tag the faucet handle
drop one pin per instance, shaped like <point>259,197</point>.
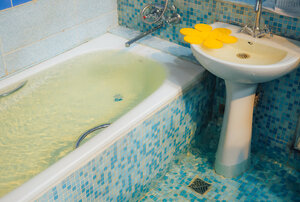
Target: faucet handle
<point>173,7</point>
<point>243,28</point>
<point>268,31</point>
<point>151,13</point>
<point>173,16</point>
<point>247,30</point>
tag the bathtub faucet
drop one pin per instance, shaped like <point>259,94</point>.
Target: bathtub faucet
<point>152,14</point>
<point>256,30</point>
<point>128,43</point>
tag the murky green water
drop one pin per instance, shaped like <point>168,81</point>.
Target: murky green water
<point>40,123</point>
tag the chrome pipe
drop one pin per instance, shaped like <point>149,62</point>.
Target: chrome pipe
<point>128,43</point>
<point>258,10</point>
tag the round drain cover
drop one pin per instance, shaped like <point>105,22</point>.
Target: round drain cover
<point>243,55</point>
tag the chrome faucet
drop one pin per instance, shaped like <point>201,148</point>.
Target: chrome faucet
<point>256,30</point>
<point>128,43</point>
<point>257,9</point>
<point>152,14</point>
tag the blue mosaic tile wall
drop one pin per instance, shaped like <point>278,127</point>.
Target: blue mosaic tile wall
<point>243,14</point>
<point>122,172</point>
<point>4,4</point>
<point>276,117</point>
<point>274,124</point>
<point>205,11</point>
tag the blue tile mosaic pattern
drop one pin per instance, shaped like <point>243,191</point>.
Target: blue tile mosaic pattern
<point>191,11</point>
<point>243,14</point>
<point>124,170</point>
<point>274,125</point>
<point>4,4</point>
<point>205,11</point>
<point>264,181</point>
<point>276,117</point>
<point>18,2</point>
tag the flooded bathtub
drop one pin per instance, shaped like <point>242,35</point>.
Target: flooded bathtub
<point>96,83</point>
<point>41,122</point>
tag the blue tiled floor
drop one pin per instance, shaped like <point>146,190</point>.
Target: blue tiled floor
<point>265,180</point>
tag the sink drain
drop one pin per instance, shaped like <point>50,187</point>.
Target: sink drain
<point>243,55</point>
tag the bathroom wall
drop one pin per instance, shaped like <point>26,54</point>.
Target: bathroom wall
<point>285,7</point>
<point>278,109</point>
<point>38,30</point>
<point>206,11</point>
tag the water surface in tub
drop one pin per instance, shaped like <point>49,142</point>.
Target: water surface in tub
<point>40,123</point>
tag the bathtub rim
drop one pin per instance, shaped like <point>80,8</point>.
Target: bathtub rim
<point>169,90</point>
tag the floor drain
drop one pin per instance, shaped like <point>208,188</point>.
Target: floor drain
<point>243,55</point>
<point>199,186</point>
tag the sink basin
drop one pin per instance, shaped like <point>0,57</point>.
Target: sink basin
<point>243,65</point>
<point>246,52</point>
<point>249,60</point>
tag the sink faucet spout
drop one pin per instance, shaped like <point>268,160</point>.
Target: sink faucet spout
<point>257,9</point>
<point>256,30</point>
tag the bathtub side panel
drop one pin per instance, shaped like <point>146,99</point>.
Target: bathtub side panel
<point>124,170</point>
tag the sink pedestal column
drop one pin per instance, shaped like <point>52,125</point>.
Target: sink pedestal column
<point>233,154</point>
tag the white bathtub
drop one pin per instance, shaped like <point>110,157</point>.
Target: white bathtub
<point>181,74</point>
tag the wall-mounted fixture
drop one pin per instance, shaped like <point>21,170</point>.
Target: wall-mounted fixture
<point>157,14</point>
<point>256,30</point>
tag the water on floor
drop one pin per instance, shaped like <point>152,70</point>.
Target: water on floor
<point>265,180</point>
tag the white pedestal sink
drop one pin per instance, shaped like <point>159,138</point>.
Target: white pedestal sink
<point>243,65</point>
